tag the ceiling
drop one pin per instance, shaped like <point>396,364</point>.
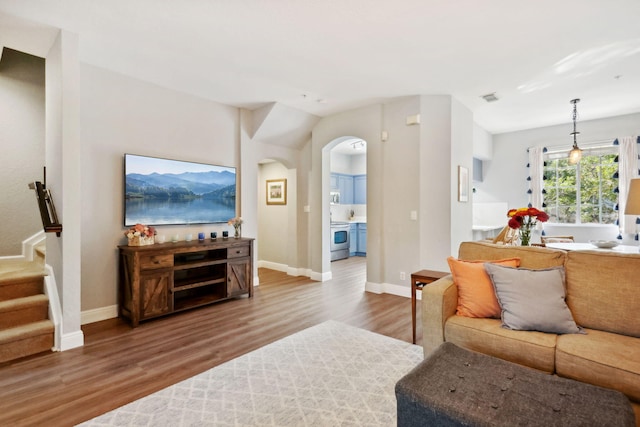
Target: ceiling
<point>323,57</point>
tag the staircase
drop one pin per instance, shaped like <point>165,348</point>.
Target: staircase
<point>25,328</point>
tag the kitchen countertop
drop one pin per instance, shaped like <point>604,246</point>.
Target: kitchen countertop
<point>357,220</point>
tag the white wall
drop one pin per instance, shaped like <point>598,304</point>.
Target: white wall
<point>482,143</point>
<point>505,175</point>
<point>340,163</point>
<point>22,100</point>
<point>63,161</point>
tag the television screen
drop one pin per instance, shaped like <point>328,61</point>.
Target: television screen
<point>170,192</point>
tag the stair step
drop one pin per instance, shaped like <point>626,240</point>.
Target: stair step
<point>22,286</point>
<point>20,311</point>
<point>26,340</point>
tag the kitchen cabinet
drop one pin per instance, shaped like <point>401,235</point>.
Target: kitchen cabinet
<point>362,239</point>
<point>345,185</point>
<point>334,181</point>
<point>360,189</point>
<point>352,188</point>
<point>353,239</point>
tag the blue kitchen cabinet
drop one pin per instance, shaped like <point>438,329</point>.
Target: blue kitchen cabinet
<point>334,181</point>
<point>362,239</point>
<point>345,184</point>
<point>353,239</point>
<point>360,189</point>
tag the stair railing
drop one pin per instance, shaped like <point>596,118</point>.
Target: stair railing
<point>47,208</point>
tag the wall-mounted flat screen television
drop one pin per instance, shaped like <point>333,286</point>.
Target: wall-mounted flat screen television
<point>171,192</point>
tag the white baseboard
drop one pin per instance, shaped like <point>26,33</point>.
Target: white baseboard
<point>55,309</point>
<point>320,277</point>
<point>29,244</point>
<point>98,314</point>
<point>72,340</point>
<point>291,271</point>
<point>273,266</point>
<point>389,288</point>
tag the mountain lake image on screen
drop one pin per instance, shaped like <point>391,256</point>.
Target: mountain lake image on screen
<point>171,192</point>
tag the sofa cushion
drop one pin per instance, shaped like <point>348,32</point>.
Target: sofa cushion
<point>603,290</point>
<point>533,349</point>
<point>476,297</point>
<point>532,300</point>
<point>530,256</point>
<point>601,358</point>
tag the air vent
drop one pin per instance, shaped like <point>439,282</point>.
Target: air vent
<point>490,97</point>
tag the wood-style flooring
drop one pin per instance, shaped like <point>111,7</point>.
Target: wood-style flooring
<point>119,364</point>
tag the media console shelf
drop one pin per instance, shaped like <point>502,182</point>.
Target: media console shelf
<point>164,278</point>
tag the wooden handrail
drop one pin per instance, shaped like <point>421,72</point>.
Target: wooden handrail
<point>47,209</point>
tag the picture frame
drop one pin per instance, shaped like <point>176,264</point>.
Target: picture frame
<point>463,184</point>
<point>277,191</point>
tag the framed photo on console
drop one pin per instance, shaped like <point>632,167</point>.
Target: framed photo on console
<point>276,192</point>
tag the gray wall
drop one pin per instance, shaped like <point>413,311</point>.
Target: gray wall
<point>22,96</point>
<point>123,115</point>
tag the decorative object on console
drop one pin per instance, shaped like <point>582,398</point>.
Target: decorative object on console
<point>140,235</point>
<point>237,226</point>
<point>277,191</point>
<point>525,219</point>
<point>576,153</point>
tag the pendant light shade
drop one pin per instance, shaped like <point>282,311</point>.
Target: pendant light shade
<point>576,153</point>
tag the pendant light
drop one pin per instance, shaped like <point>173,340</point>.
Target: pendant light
<point>576,153</point>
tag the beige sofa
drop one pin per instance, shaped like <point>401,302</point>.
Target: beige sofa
<point>603,294</point>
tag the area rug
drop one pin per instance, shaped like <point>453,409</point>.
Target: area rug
<point>331,374</point>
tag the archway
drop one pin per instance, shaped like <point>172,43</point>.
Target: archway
<point>347,236</point>
<point>277,218</point>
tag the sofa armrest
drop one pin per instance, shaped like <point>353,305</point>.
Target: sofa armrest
<point>439,302</point>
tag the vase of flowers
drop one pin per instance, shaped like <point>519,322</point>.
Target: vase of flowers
<point>523,220</point>
<point>140,235</point>
<point>237,226</point>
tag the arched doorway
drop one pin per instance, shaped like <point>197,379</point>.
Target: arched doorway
<point>277,219</point>
<point>348,189</point>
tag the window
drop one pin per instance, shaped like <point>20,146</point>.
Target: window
<point>583,193</point>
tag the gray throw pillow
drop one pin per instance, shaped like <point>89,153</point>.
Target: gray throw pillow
<point>532,300</point>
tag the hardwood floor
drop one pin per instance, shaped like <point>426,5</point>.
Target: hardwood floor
<point>119,364</point>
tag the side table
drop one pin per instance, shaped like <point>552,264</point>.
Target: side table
<point>419,280</point>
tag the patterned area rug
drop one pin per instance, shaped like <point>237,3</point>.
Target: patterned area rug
<point>328,375</point>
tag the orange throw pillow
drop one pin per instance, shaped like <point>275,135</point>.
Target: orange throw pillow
<point>476,296</point>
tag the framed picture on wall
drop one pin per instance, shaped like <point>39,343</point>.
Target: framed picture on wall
<point>276,191</point>
<point>463,184</point>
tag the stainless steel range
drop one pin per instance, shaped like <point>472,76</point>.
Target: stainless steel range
<point>339,240</point>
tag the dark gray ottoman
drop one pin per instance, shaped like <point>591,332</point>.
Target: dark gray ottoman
<point>457,387</point>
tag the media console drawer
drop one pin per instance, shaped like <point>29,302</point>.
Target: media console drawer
<point>149,262</point>
<point>238,252</point>
<point>164,278</point>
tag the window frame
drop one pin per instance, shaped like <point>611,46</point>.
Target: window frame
<point>589,151</point>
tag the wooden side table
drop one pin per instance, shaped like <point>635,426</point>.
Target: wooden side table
<point>419,280</point>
